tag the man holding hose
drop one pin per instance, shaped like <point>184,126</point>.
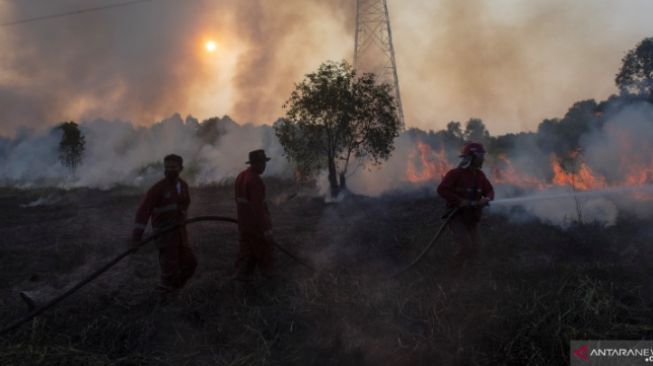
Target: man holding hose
<point>468,189</point>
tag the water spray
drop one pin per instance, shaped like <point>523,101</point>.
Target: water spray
<point>593,193</point>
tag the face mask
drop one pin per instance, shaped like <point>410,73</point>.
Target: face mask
<point>171,175</point>
<point>465,162</point>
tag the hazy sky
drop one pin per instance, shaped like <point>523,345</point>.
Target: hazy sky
<point>510,62</point>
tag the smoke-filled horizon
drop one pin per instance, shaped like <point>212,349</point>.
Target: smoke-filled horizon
<point>616,153</point>
<point>510,63</point>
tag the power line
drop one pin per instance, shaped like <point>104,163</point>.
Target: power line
<point>81,11</point>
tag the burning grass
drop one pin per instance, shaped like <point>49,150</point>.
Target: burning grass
<point>426,164</point>
<point>535,287</point>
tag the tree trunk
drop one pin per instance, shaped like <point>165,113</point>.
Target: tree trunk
<point>343,182</point>
<point>333,178</point>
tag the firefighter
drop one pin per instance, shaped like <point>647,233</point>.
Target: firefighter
<point>167,203</point>
<point>256,244</point>
<point>467,188</point>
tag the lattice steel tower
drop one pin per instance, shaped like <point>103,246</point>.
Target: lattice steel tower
<point>373,50</point>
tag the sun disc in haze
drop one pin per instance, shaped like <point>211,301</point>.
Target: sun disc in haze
<point>210,46</point>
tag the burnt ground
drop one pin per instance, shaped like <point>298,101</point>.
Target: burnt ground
<point>535,288</point>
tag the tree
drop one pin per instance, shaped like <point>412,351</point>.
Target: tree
<point>636,74</point>
<point>455,131</point>
<point>475,131</point>
<point>212,129</point>
<point>563,135</point>
<point>333,116</point>
<point>71,146</point>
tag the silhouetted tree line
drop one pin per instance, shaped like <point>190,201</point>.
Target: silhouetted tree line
<point>559,136</point>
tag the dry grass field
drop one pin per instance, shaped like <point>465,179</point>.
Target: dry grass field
<point>534,288</point>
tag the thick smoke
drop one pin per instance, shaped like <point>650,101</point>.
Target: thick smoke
<point>146,61</point>
<point>618,152</point>
<point>623,145</point>
<point>504,61</point>
<point>389,176</point>
<point>117,153</point>
<point>511,63</point>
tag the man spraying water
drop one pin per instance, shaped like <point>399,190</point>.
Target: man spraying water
<point>467,189</point>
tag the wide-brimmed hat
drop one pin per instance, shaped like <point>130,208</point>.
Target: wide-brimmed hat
<point>257,155</point>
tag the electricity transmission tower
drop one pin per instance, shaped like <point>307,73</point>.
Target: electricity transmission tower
<point>373,50</point>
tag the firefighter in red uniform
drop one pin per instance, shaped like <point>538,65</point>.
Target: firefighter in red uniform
<point>256,244</point>
<point>467,188</point>
<point>167,203</point>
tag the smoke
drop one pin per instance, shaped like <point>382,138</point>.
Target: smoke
<point>146,61</point>
<point>623,146</point>
<point>507,62</point>
<point>615,149</point>
<point>118,153</point>
<point>101,63</point>
<point>619,152</point>
<point>392,175</point>
<point>503,61</point>
<point>285,37</point>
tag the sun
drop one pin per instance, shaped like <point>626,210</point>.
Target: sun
<point>210,46</point>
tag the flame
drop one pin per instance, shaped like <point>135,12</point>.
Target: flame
<point>426,164</point>
<point>503,172</point>
<point>582,179</point>
<point>639,176</point>
<point>430,165</point>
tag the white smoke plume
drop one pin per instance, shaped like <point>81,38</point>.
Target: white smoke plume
<point>618,152</point>
<point>118,153</point>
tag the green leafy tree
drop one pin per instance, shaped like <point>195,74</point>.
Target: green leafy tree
<point>71,146</point>
<point>636,74</point>
<point>334,117</point>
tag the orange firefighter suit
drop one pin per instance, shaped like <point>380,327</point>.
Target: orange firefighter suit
<point>167,203</point>
<point>465,185</point>
<point>253,225</point>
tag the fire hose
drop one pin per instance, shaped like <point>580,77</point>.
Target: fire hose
<point>107,266</point>
<point>34,313</point>
<point>410,265</point>
<point>430,244</point>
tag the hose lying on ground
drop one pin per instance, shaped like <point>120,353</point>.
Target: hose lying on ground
<point>403,269</point>
<point>107,266</point>
<point>132,250</point>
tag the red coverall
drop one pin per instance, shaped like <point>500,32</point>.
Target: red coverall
<point>167,203</point>
<point>465,184</point>
<point>253,223</point>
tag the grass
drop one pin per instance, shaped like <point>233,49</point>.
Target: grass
<point>535,288</point>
